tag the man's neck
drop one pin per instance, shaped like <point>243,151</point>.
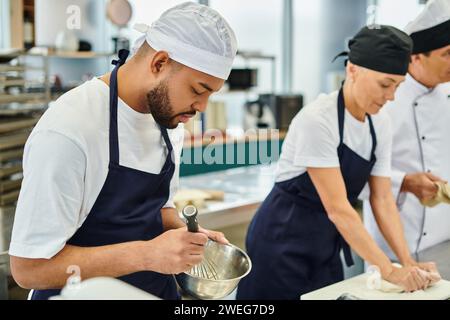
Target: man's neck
<point>128,89</point>
<point>416,75</point>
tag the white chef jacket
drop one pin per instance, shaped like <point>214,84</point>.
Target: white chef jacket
<point>421,131</point>
<point>66,160</point>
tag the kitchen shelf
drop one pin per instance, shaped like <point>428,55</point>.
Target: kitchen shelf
<point>9,155</point>
<point>23,97</point>
<point>10,68</point>
<point>79,55</point>
<point>9,171</point>
<point>11,141</point>
<point>10,185</point>
<point>11,82</point>
<point>9,198</point>
<point>13,125</point>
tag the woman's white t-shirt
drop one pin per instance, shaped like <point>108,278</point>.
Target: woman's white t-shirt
<point>313,138</point>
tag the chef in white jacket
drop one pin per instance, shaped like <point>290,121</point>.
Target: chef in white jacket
<point>420,117</point>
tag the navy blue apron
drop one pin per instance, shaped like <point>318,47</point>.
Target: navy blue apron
<point>128,207</point>
<point>293,245</point>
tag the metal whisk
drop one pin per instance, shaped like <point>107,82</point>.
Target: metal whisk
<point>207,269</point>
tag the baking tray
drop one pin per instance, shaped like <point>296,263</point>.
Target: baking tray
<point>9,198</point>
<point>10,185</point>
<point>10,170</point>
<point>10,68</point>
<point>11,155</point>
<point>23,97</point>
<point>13,141</point>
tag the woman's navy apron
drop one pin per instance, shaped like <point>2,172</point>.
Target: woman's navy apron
<point>293,245</point>
<point>128,207</point>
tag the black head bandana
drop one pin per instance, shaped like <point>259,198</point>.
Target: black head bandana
<point>381,48</point>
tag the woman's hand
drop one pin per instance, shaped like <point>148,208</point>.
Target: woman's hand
<point>429,267</point>
<point>410,278</point>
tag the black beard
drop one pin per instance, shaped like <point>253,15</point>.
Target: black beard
<point>158,103</point>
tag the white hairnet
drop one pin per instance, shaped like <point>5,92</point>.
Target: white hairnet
<point>193,35</point>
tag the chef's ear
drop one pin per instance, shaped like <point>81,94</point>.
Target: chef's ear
<point>352,71</point>
<point>418,58</point>
<point>159,62</point>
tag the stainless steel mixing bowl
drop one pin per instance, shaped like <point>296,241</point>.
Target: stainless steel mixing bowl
<point>230,264</point>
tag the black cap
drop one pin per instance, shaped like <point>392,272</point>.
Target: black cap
<point>381,48</point>
<point>431,39</point>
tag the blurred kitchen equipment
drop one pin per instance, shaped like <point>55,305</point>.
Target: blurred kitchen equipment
<point>66,41</point>
<point>285,107</point>
<point>222,268</point>
<point>242,79</point>
<point>119,12</point>
<point>258,115</point>
<point>121,43</point>
<point>194,126</point>
<point>28,30</point>
<point>84,46</point>
<point>216,116</point>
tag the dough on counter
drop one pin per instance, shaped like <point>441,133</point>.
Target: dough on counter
<point>442,196</point>
<point>383,285</point>
<point>186,197</point>
<point>375,282</point>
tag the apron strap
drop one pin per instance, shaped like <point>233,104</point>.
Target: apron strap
<point>374,137</point>
<point>341,118</point>
<point>166,138</point>
<point>347,252</point>
<point>113,99</point>
<point>341,115</point>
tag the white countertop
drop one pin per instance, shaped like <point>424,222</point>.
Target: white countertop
<point>357,289</point>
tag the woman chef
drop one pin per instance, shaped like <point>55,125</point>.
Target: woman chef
<point>334,147</point>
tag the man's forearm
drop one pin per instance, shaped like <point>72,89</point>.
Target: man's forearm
<point>171,219</point>
<point>106,261</point>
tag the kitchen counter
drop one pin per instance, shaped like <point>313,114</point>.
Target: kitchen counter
<point>245,189</point>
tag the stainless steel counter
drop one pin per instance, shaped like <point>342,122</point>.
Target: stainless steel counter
<point>245,189</point>
<point>439,254</point>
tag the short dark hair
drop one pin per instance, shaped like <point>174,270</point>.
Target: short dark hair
<point>145,49</point>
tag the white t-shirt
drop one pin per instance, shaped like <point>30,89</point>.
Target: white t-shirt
<point>66,161</point>
<point>313,138</point>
